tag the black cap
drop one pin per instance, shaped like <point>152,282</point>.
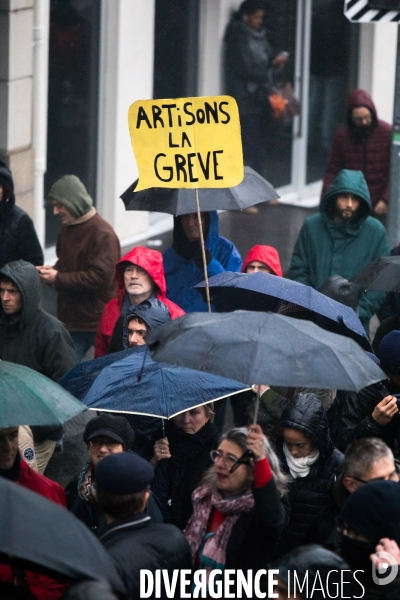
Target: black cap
<point>373,511</point>
<point>115,427</point>
<point>123,473</point>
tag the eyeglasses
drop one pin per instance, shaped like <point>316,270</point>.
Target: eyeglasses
<point>99,442</point>
<point>231,462</point>
<point>392,477</point>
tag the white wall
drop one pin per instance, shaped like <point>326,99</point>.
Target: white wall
<point>126,75</point>
<point>378,43</point>
<point>214,17</point>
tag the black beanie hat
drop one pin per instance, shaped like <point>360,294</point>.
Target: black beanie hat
<point>389,351</point>
<point>373,511</point>
<point>123,473</point>
<point>115,427</point>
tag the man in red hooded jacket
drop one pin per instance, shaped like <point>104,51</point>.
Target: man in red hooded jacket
<point>139,276</point>
<point>262,258</point>
<point>363,145</point>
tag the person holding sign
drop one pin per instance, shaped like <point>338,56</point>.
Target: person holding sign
<point>183,262</point>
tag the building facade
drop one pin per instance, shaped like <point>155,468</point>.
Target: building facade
<point>69,70</point>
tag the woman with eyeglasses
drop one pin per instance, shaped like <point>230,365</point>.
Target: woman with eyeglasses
<point>239,509</point>
<point>180,459</point>
<point>312,462</point>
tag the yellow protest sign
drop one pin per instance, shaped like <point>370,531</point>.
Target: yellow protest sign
<point>187,142</point>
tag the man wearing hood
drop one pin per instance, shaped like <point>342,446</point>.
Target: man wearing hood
<point>18,239</point>
<point>363,145</point>
<point>183,262</point>
<point>341,240</point>
<point>262,258</point>
<point>131,330</point>
<point>31,337</point>
<point>140,277</point>
<point>87,250</point>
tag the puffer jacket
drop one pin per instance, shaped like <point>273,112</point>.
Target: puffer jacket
<point>371,156</point>
<point>152,262</point>
<point>265,254</point>
<point>37,340</point>
<point>325,247</point>
<point>310,496</point>
<point>182,273</point>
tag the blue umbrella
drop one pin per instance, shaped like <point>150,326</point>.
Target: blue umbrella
<point>263,292</point>
<point>135,384</point>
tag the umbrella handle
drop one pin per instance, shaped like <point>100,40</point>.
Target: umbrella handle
<point>142,367</point>
<point>203,250</point>
<point>163,427</point>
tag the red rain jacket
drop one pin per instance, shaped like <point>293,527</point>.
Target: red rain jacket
<point>265,254</point>
<point>40,586</point>
<point>152,262</point>
<point>372,156</point>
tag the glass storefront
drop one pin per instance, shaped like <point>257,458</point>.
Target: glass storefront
<point>72,97</point>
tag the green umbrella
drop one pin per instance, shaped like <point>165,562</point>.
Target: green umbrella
<point>29,398</point>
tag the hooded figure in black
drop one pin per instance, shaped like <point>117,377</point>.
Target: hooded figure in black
<point>152,312</point>
<point>18,239</point>
<point>309,456</point>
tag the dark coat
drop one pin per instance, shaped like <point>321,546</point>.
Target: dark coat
<point>37,340</point>
<point>18,238</point>
<point>254,538</point>
<point>177,478</point>
<point>249,74</point>
<point>351,417</point>
<point>325,247</point>
<point>370,155</point>
<point>89,512</point>
<point>138,543</point>
<point>310,496</point>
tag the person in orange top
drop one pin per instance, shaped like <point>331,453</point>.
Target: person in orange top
<point>262,258</point>
<point>139,276</point>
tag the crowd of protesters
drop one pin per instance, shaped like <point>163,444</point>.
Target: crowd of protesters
<point>312,488</point>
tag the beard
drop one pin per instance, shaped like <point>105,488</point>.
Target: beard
<point>344,216</point>
<point>362,132</point>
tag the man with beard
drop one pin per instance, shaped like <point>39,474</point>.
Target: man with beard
<point>341,240</point>
<point>363,144</point>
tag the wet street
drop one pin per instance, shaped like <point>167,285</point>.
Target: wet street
<point>273,225</point>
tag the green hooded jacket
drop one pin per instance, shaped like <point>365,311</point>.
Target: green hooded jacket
<point>326,248</point>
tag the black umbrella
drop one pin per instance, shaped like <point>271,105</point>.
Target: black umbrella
<point>252,190</point>
<point>264,348</point>
<point>38,534</point>
<point>383,275</point>
<point>263,292</point>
